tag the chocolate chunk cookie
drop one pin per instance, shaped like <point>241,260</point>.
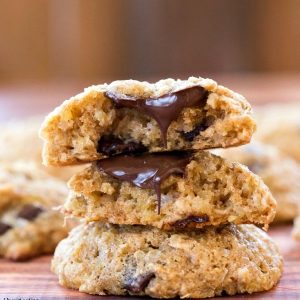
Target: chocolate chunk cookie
<point>279,125</point>
<point>28,224</point>
<point>278,171</point>
<point>132,116</point>
<point>140,260</point>
<point>170,190</point>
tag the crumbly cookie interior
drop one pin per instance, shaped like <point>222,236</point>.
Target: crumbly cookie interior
<point>213,189</point>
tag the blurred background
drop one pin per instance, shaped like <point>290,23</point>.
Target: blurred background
<point>51,49</point>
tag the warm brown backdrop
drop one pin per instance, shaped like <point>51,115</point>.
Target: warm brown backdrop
<point>59,39</point>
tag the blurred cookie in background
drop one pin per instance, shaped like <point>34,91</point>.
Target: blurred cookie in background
<point>278,171</point>
<point>296,230</point>
<point>20,140</point>
<point>279,125</point>
<point>29,226</point>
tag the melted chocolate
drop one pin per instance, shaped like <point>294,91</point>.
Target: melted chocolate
<point>146,171</point>
<point>29,212</point>
<point>111,146</point>
<point>4,227</point>
<point>166,108</point>
<point>138,284</point>
<point>181,224</point>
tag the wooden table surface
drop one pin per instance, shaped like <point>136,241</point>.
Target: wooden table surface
<point>33,279</point>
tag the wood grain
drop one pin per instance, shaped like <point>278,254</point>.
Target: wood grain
<point>34,279</point>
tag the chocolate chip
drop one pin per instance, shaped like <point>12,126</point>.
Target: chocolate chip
<point>224,293</point>
<point>110,146</point>
<point>29,212</point>
<point>4,227</point>
<point>181,224</point>
<point>138,284</point>
<point>190,135</point>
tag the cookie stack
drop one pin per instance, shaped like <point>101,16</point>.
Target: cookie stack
<point>162,215</point>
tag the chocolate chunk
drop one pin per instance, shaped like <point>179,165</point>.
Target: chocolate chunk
<point>29,212</point>
<point>181,224</point>
<point>165,108</point>
<point>111,146</point>
<point>190,135</point>
<point>138,284</point>
<point>4,227</point>
<point>224,293</point>
<point>146,171</point>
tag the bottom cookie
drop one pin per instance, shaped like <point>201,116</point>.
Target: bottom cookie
<point>137,260</point>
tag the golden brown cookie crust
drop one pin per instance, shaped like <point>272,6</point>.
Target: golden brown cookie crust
<point>72,131</point>
<point>138,260</point>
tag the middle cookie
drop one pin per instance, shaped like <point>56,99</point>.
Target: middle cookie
<point>170,190</point>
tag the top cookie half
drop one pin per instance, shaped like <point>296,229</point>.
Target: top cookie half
<point>132,116</point>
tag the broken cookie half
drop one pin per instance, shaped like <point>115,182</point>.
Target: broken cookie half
<point>133,117</point>
<point>174,190</point>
